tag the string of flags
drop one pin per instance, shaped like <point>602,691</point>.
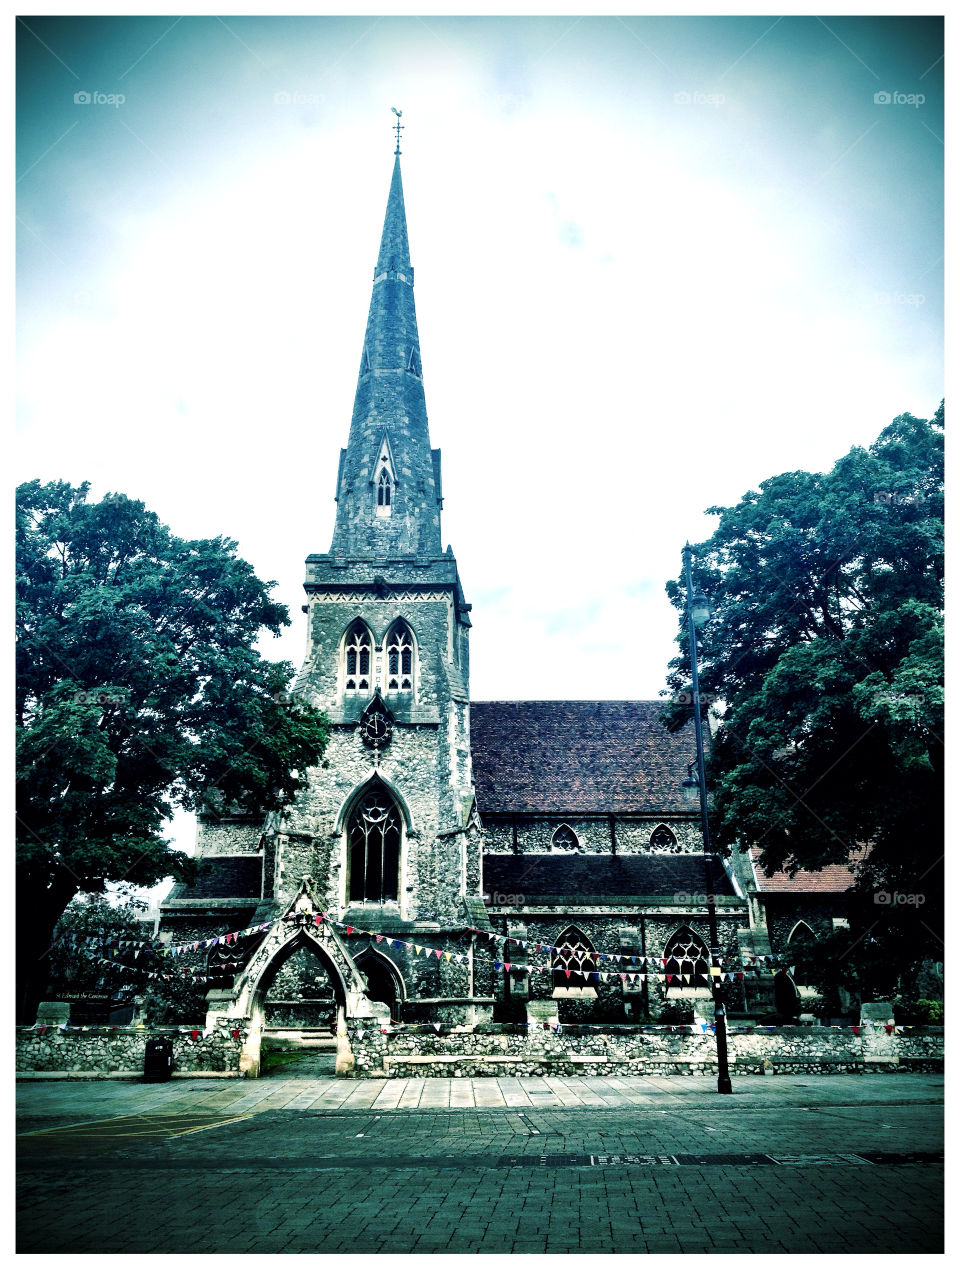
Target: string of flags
<point>690,978</point>
<point>647,967</point>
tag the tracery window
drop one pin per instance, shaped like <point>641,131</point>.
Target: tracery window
<point>687,954</point>
<point>374,849</point>
<point>400,653</point>
<point>384,488</point>
<point>357,658</point>
<point>573,960</point>
<point>663,839</point>
<point>564,839</point>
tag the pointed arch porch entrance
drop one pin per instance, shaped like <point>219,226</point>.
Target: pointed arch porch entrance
<point>298,928</point>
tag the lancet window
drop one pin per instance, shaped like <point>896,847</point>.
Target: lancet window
<point>374,833</point>
<point>400,658</point>
<point>357,659</point>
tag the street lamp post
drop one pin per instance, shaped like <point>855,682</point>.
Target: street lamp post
<point>698,610</point>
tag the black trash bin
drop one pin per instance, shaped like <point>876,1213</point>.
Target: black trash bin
<point>158,1058</point>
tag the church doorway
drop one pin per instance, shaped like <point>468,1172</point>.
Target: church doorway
<point>299,1011</point>
<point>383,981</point>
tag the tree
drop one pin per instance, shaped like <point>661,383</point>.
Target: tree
<point>84,938</point>
<point>139,687</point>
<point>824,661</point>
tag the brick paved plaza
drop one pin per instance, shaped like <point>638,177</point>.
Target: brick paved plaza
<point>822,1164</point>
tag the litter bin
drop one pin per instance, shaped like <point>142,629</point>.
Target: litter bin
<point>158,1058</point>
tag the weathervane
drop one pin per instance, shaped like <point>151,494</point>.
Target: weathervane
<point>398,126</point>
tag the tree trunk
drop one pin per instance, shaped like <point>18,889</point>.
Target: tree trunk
<point>38,911</point>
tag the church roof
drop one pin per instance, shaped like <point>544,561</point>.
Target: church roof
<point>830,880</point>
<point>564,757</point>
<point>577,879</point>
<point>222,877</point>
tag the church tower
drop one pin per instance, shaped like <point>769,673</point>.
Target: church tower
<point>387,826</point>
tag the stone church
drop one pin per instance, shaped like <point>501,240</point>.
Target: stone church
<point>435,822</point>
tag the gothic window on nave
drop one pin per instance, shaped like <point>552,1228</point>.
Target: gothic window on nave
<point>687,955</point>
<point>663,839</point>
<point>573,961</point>
<point>564,839</point>
<point>373,841</point>
<point>357,659</point>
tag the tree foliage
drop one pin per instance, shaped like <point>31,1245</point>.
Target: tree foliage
<point>89,927</point>
<point>824,660</point>
<point>139,688</point>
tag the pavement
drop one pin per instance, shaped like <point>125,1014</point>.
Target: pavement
<point>842,1164</point>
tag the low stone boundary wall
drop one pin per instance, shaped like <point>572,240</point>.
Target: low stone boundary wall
<point>117,1053</point>
<point>510,1051</point>
<point>499,1050</point>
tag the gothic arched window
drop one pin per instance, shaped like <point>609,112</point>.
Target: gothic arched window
<point>687,954</point>
<point>573,960</point>
<point>357,658</point>
<point>663,839</point>
<point>373,843</point>
<point>384,488</point>
<point>801,932</point>
<point>564,839</point>
<point>400,658</point>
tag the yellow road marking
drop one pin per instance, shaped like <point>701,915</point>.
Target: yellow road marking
<point>134,1127</point>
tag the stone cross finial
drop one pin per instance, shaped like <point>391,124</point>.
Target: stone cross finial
<point>398,127</point>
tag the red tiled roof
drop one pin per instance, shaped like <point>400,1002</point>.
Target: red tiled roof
<point>577,756</point>
<point>831,879</point>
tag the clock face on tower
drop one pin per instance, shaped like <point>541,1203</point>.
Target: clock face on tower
<point>376,728</point>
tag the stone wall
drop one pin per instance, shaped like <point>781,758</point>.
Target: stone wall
<point>577,1051</point>
<point>105,1052</point>
<point>533,834</point>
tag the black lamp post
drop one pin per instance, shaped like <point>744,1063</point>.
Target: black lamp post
<point>698,611</point>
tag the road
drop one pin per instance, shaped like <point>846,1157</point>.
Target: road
<point>815,1164</point>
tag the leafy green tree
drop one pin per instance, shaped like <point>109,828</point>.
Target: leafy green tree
<point>139,688</point>
<point>824,662</point>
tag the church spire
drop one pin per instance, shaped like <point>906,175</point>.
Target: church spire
<point>388,490</point>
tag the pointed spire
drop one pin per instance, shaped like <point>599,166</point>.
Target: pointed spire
<point>390,415</point>
<point>394,247</point>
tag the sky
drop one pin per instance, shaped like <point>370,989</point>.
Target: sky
<point>658,260</point>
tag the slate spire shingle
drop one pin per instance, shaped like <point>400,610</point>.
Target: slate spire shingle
<point>389,404</point>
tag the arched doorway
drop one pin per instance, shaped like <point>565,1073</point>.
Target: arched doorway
<point>297,1000</point>
<point>384,982</point>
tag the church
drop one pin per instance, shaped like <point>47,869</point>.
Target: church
<point>440,833</point>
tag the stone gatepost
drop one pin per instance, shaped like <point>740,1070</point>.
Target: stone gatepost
<point>53,1013</point>
<point>540,1013</point>
<point>880,1047</point>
